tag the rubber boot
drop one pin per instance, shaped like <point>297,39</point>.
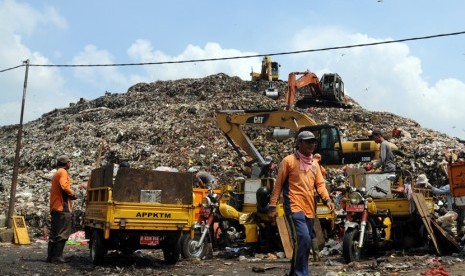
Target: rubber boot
<point>315,250</point>
<point>58,252</point>
<point>50,251</point>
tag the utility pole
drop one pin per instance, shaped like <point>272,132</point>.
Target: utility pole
<point>14,182</point>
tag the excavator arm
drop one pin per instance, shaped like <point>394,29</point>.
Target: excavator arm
<point>231,122</point>
<point>334,151</point>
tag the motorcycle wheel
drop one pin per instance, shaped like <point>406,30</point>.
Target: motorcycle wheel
<point>191,248</point>
<point>350,249</point>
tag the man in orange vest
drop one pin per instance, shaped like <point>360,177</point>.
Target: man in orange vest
<point>60,210</point>
<point>298,179</point>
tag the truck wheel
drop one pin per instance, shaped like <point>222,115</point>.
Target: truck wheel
<point>350,249</point>
<point>171,250</point>
<point>97,248</point>
<point>192,248</point>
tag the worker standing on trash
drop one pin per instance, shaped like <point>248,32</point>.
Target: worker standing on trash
<point>60,211</point>
<point>269,169</point>
<point>386,156</point>
<point>298,176</point>
<point>202,179</point>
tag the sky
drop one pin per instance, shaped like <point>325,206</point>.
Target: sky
<point>423,80</point>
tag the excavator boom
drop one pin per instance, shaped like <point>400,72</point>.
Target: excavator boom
<point>230,122</point>
<point>287,123</point>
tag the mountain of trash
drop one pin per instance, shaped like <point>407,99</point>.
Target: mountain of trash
<point>172,124</point>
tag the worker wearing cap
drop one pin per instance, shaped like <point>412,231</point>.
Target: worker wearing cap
<point>386,157</point>
<point>60,210</point>
<point>298,177</point>
<point>269,169</point>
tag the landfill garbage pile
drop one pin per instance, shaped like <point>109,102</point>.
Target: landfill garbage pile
<point>171,124</point>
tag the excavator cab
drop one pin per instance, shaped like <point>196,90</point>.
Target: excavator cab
<point>275,70</point>
<point>333,88</point>
<point>329,143</point>
<point>335,152</point>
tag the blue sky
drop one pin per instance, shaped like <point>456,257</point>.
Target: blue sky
<point>423,80</point>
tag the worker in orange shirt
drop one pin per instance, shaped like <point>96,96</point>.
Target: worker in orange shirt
<point>298,178</point>
<point>61,196</point>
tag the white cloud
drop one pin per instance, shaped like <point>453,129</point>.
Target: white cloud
<point>22,18</point>
<point>99,77</point>
<point>45,85</point>
<point>385,77</point>
<point>142,51</point>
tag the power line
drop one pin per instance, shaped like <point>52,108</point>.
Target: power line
<point>8,69</point>
<point>243,57</point>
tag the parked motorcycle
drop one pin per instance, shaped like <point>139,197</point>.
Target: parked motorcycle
<point>229,219</point>
<point>366,227</point>
<point>219,224</point>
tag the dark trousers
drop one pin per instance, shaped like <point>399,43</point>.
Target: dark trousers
<point>301,232</point>
<point>60,226</point>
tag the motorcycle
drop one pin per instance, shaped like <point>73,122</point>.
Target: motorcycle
<point>365,226</point>
<point>228,219</point>
<point>218,225</point>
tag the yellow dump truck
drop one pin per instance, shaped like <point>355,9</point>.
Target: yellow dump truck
<point>138,209</point>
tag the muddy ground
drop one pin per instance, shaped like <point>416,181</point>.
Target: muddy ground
<point>29,260</point>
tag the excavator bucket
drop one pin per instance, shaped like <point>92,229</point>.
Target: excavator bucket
<point>272,93</point>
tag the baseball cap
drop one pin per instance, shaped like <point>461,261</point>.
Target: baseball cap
<point>376,132</point>
<point>268,160</point>
<point>62,159</point>
<point>422,179</point>
<point>305,135</point>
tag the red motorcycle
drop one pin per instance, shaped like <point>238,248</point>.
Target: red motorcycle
<point>365,226</point>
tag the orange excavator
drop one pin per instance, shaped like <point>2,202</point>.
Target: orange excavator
<point>326,92</point>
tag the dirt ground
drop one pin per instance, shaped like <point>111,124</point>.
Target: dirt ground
<point>30,260</point>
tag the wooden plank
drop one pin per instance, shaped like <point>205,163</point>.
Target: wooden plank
<point>319,233</point>
<point>96,178</point>
<point>285,237</point>
<point>20,229</point>
<point>422,210</point>
<point>448,237</point>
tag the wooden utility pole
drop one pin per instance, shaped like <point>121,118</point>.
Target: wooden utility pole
<point>14,182</point>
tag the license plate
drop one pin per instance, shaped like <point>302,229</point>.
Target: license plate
<point>204,212</point>
<point>149,240</point>
<point>355,208</point>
